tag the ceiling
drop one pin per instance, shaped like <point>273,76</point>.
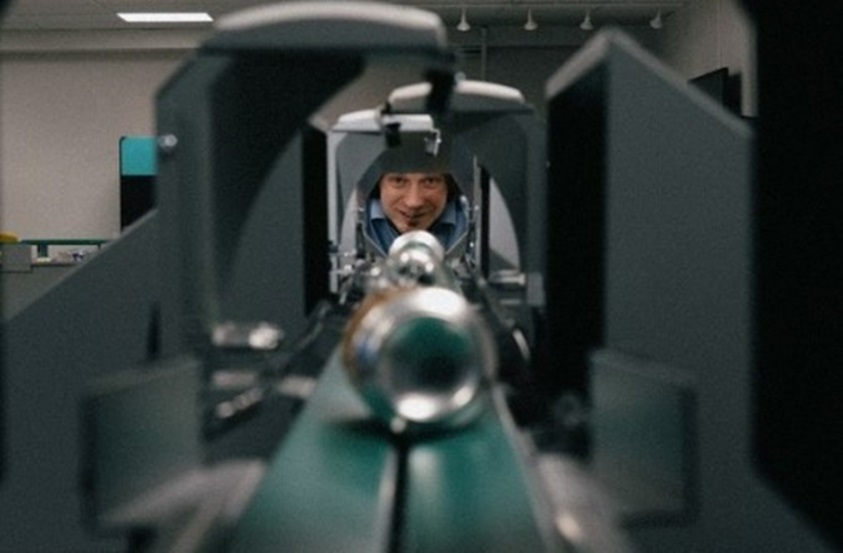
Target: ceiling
<point>100,14</point>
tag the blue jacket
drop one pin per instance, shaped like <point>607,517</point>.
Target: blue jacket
<point>448,228</point>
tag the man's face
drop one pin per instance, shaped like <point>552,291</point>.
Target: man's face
<point>413,201</point>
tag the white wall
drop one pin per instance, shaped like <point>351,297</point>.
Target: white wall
<point>66,98</point>
<point>62,118</point>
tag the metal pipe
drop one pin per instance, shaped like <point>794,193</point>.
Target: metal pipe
<point>417,351</point>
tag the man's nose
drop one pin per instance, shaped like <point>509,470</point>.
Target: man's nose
<point>414,197</point>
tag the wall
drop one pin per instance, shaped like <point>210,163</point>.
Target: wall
<point>66,99</point>
<point>64,106</point>
<point>708,35</point>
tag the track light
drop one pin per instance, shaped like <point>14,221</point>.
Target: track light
<point>657,22</point>
<point>531,24</point>
<point>463,24</point>
<point>586,24</point>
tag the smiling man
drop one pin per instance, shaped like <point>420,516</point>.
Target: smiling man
<point>402,202</point>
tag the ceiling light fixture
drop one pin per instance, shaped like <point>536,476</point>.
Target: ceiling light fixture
<point>531,24</point>
<point>586,24</point>
<point>163,17</point>
<point>657,22</point>
<point>463,24</point>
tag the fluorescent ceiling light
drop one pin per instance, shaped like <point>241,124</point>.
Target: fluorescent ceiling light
<point>162,17</point>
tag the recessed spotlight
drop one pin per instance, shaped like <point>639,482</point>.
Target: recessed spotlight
<point>163,17</point>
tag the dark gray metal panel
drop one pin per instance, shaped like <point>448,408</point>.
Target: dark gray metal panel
<point>644,438</point>
<point>184,122</point>
<point>20,288</point>
<point>142,466</point>
<point>678,220</point>
<point>233,120</point>
<point>141,430</point>
<point>669,183</point>
<point>267,273</point>
<point>511,147</point>
<point>99,318</point>
<point>574,205</point>
<point>677,268</point>
<point>229,115</point>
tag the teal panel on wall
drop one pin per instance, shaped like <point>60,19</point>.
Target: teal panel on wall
<point>137,156</point>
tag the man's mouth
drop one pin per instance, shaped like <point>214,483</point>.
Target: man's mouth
<point>413,220</point>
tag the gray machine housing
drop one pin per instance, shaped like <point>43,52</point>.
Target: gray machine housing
<point>640,281</point>
<point>465,141</point>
